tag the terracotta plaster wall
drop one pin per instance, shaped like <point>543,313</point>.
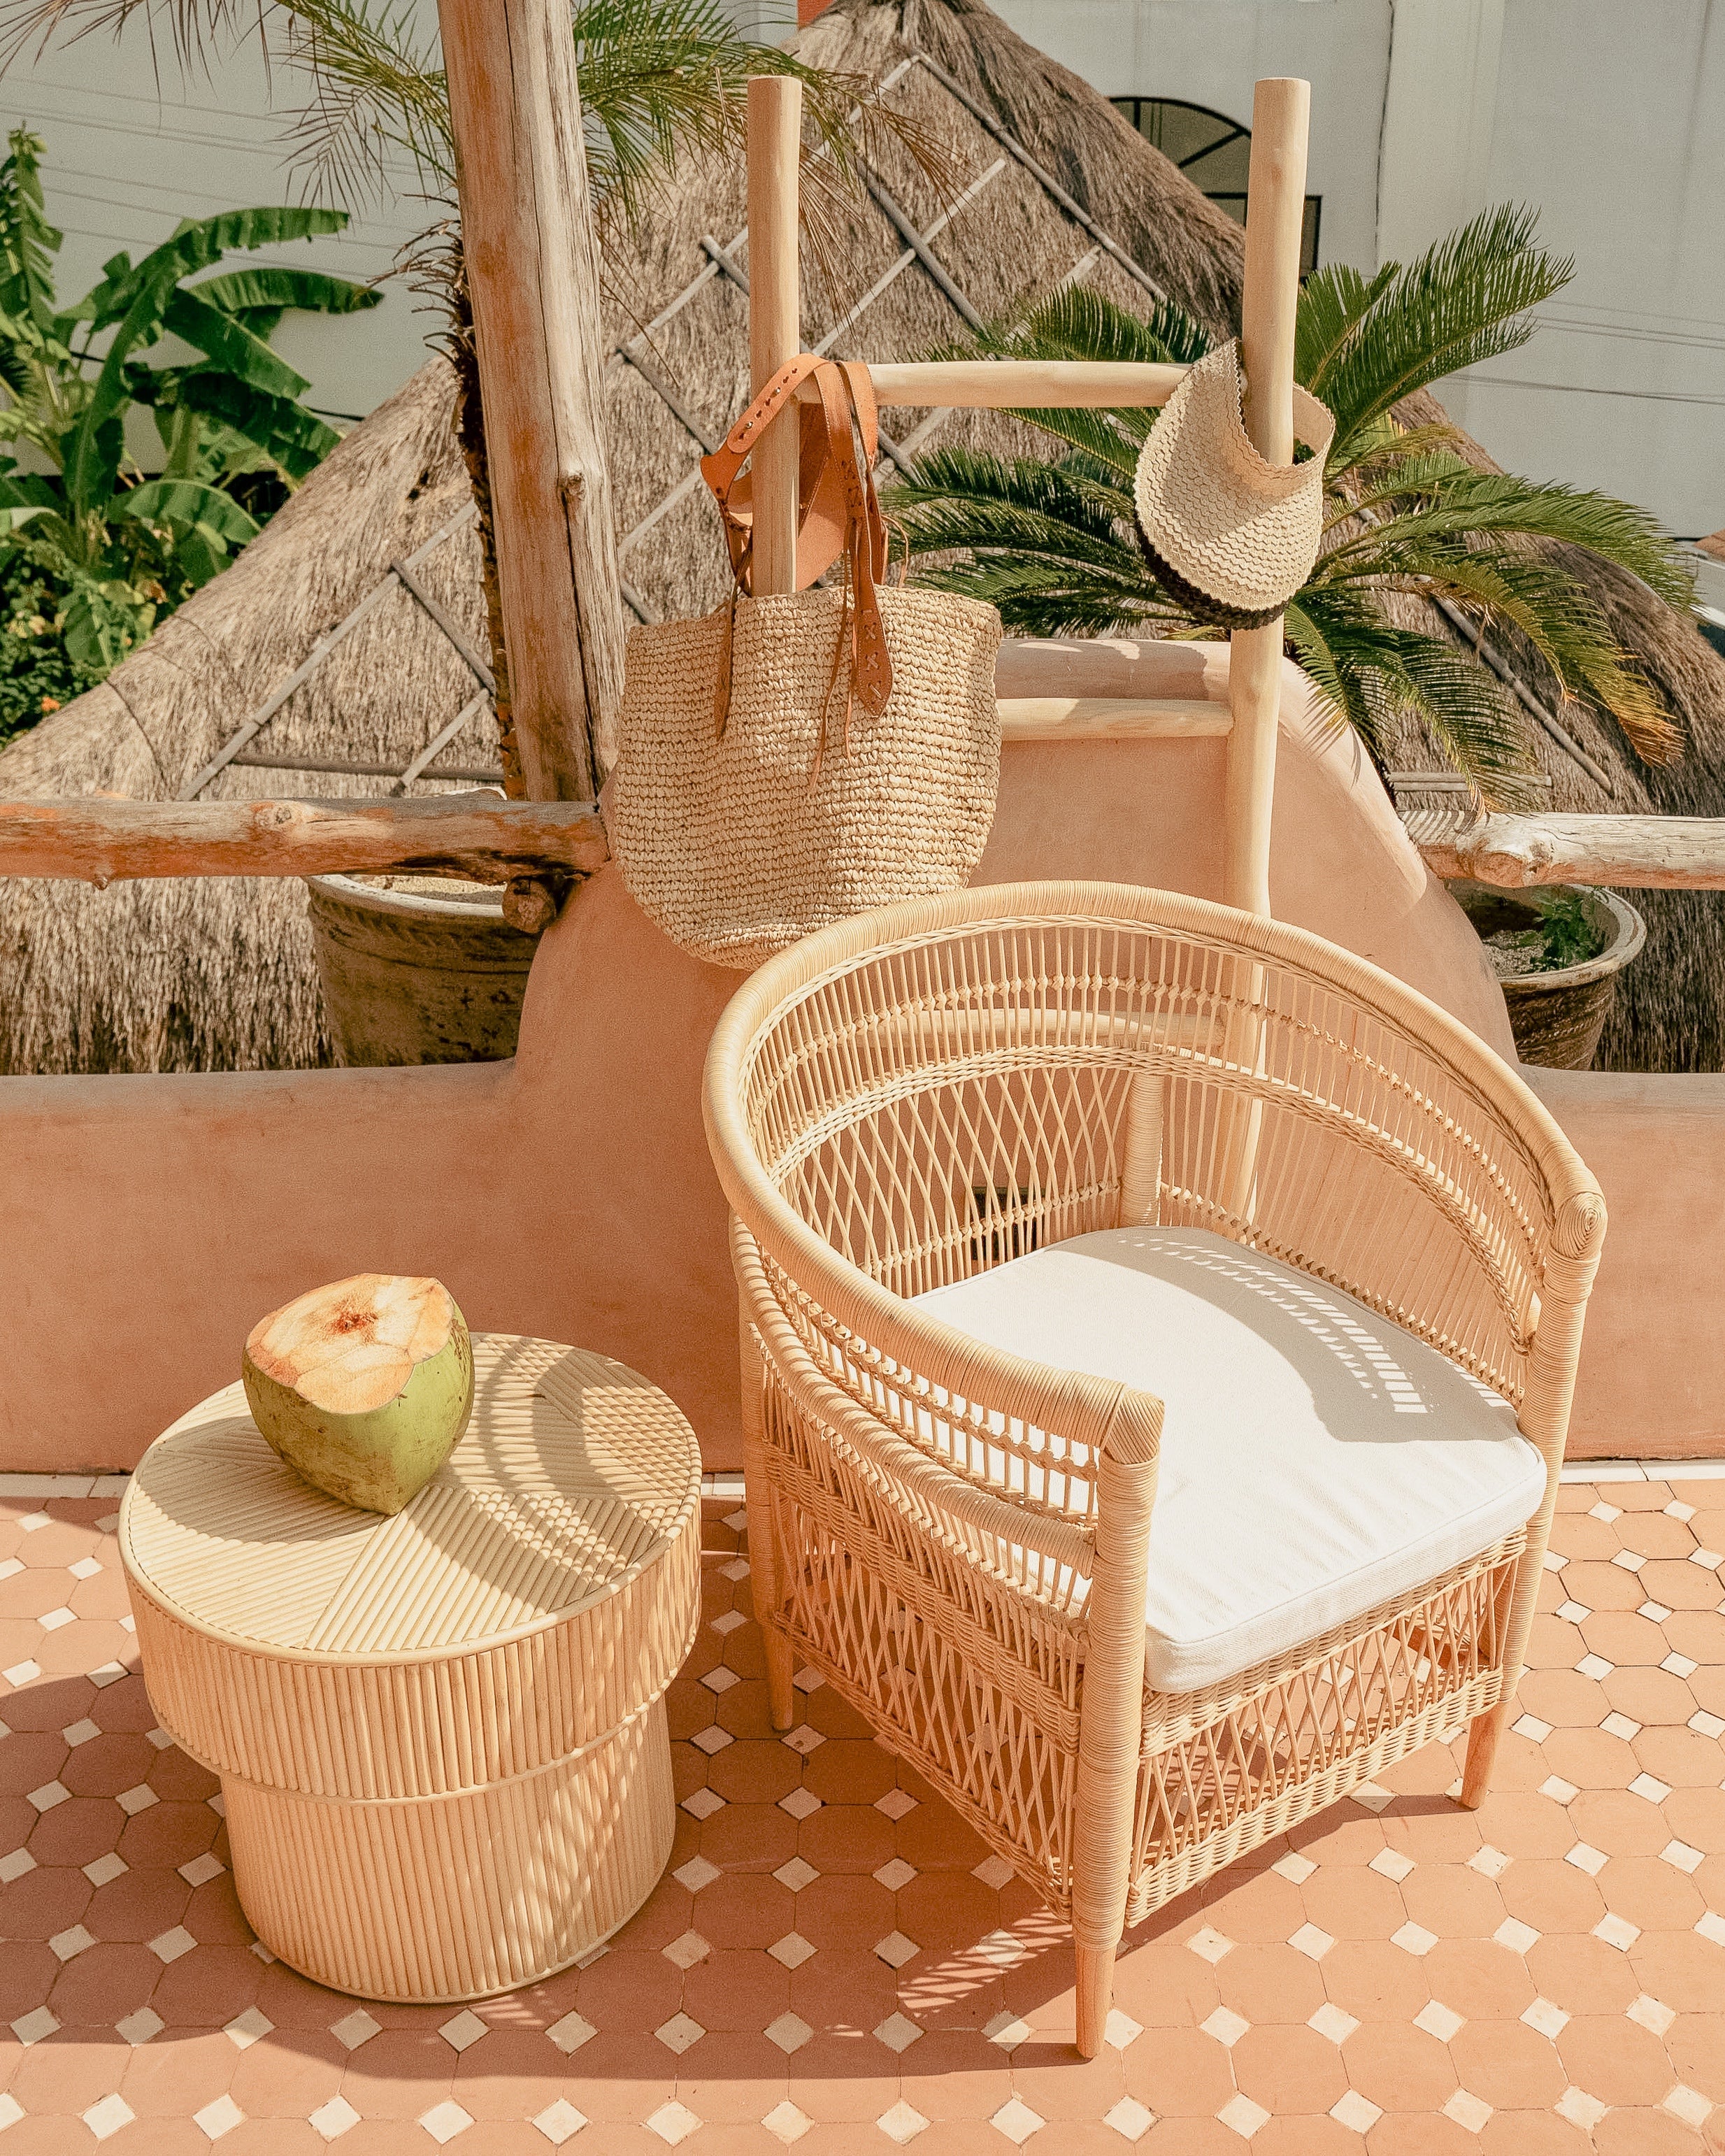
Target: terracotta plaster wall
<point>1652,1376</point>
<point>150,1221</point>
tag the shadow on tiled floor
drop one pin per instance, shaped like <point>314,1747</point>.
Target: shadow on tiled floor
<point>835,1962</point>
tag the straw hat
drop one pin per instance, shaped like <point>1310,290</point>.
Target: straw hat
<point>1230,537</point>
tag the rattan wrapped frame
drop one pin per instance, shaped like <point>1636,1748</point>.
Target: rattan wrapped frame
<point>957,1538</point>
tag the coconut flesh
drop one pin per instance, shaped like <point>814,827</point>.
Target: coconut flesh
<point>365,1386</point>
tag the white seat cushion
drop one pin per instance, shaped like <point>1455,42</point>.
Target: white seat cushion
<point>1315,1460</point>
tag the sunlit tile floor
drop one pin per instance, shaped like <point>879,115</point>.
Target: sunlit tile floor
<point>835,1962</point>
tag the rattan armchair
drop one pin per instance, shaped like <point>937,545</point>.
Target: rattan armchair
<point>1100,1122</point>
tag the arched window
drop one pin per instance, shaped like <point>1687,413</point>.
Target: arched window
<point>1215,153</point>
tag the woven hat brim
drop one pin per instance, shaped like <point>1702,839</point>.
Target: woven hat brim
<point>1198,602</point>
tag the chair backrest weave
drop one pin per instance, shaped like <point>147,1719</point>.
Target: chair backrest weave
<point>934,1090</point>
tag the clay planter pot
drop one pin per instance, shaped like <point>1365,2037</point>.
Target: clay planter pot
<point>1556,1018</point>
<point>418,970</point>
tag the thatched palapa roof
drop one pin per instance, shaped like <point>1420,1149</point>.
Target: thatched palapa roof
<point>1052,184</point>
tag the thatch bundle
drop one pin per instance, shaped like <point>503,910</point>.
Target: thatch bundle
<point>216,973</point>
<point>211,976</point>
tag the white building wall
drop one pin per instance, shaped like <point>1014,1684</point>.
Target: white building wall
<point>1606,115</point>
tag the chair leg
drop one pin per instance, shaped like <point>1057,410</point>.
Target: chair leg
<point>763,1564</point>
<point>781,1693</point>
<point>1096,1995</point>
<point>1483,1736</point>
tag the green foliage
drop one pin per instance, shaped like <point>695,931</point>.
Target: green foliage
<point>1054,544</point>
<point>1565,935</point>
<point>110,549</point>
<point>37,675</point>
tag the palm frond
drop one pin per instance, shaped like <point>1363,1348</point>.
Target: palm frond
<point>1332,304</point>
<point>1468,299</point>
<point>1372,670</point>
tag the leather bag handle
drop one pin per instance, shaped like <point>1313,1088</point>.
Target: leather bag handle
<point>838,513</point>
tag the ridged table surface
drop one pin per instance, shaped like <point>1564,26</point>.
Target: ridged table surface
<point>574,1474</point>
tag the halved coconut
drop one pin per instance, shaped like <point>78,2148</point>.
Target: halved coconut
<point>366,1386</point>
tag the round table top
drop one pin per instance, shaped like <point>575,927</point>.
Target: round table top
<point>573,1477</point>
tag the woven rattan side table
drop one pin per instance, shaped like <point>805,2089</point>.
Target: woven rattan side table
<point>441,1736</point>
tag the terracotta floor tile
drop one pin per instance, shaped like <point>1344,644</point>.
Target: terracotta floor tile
<point>1614,2060</point>
<point>1399,2067</point>
<point>140,1905</point>
<point>1695,2044</point>
<point>1508,2065</point>
<point>1697,1816</point>
<point>76,1832</point>
<point>854,1838</point>
<point>1652,1695</point>
<point>1479,1978</point>
<point>754,1771</point>
<point>1051,2086</point>
<point>1700,1633</point>
<point>1453,1901</point>
<point>1307,2136</point>
<point>1654,1895</point>
<point>1584,1975</point>
<point>1654,1534</point>
<point>842,1910</point>
<point>1532,2133</point>
<point>730,1990</point>
<point>1523,1824</point>
<point>1185,2074</point>
<point>1374,1981</point>
<point>630,1991</point>
<point>1576,1534</point>
<point>845,1771</point>
<point>1551,1896</point>
<point>207,1988</point>
<point>173,2078</point>
<point>1289,2069</point>
<point>1601,1586</point>
<point>945,1911</point>
<point>103,1983</point>
<point>1619,1824</point>
<point>1681,1586</point>
<point>935,1837</point>
<point>1681,1968</point>
<point>1164,1985</point>
<point>1269,1984</point>
<point>171,1833</point>
<point>753,1838</point>
<point>743,1909</point>
<point>1590,1759</point>
<point>1564,1698</point>
<point>1646,2133</point>
<point>63,2074</point>
<point>288,2075</point>
<point>1681,1757</point>
<point>1262,1905</point>
<point>1343,1835</point>
<point>1349,1903</point>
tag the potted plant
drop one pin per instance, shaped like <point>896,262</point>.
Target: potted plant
<point>1557,953</point>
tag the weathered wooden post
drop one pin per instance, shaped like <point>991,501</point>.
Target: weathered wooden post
<point>526,233</point>
<point>1275,205</point>
<point>775,140</point>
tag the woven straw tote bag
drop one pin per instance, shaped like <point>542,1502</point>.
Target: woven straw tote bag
<point>1230,537</point>
<point>789,761</point>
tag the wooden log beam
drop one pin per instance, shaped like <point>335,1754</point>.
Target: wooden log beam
<point>527,235</point>
<point>95,839</point>
<point>1020,384</point>
<point>1629,853</point>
